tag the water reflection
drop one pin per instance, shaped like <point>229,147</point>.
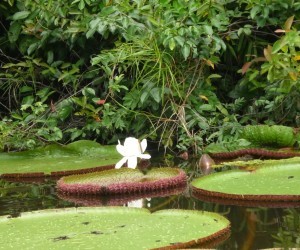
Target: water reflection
<point>119,200</point>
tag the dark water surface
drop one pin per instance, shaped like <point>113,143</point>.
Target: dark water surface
<point>253,226</point>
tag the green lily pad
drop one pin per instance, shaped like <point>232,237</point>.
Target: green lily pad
<point>111,228</point>
<point>76,157</point>
<point>122,181</point>
<point>272,180</point>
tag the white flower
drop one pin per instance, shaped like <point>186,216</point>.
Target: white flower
<point>132,150</point>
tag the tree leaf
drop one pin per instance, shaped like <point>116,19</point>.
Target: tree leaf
<point>155,93</point>
<point>288,23</point>
<point>144,96</point>
<point>14,31</point>
<point>256,9</point>
<point>208,30</point>
<point>20,15</point>
<point>172,44</point>
<point>186,50</point>
<point>245,67</point>
<point>268,53</point>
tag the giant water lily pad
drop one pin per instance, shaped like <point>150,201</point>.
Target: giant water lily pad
<point>80,156</point>
<point>110,228</point>
<point>122,181</point>
<point>275,181</point>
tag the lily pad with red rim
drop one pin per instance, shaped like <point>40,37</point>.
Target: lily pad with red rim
<point>56,160</point>
<point>267,181</point>
<point>122,181</point>
<point>112,228</point>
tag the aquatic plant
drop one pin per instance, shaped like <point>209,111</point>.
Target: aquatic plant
<point>206,164</point>
<point>112,228</point>
<point>122,181</point>
<point>274,136</point>
<point>55,160</point>
<point>132,150</point>
<point>256,153</point>
<point>264,181</point>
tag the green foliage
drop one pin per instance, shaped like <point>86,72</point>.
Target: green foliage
<point>166,70</point>
<point>277,78</point>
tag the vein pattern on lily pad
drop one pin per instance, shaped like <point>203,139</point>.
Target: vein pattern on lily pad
<point>111,228</point>
<point>275,182</point>
<point>77,157</point>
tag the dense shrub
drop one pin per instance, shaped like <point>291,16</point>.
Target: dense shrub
<point>166,70</point>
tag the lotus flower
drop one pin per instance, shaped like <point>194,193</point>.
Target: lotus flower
<point>131,150</point>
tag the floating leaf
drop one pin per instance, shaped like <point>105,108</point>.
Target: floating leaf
<point>111,228</point>
<point>253,152</point>
<point>122,181</point>
<point>266,180</point>
<point>81,156</point>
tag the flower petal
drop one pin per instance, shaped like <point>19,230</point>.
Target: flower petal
<point>121,162</point>
<point>145,156</point>
<point>121,149</point>
<point>143,145</point>
<point>132,146</point>
<point>132,162</point>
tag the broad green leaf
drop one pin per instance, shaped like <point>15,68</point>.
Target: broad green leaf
<point>261,180</point>
<point>81,5</point>
<point>156,94</point>
<point>88,92</point>
<point>20,15</point>
<point>25,89</point>
<point>172,44</point>
<point>186,50</point>
<point>180,40</point>
<point>122,181</point>
<point>78,155</point>
<point>64,112</point>
<point>109,228</point>
<point>28,100</point>
<point>32,48</point>
<point>144,96</point>
<point>208,30</point>
<point>256,9</point>
<point>278,45</point>
<point>108,10</point>
<point>14,31</point>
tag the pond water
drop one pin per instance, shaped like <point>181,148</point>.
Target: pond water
<point>252,226</point>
